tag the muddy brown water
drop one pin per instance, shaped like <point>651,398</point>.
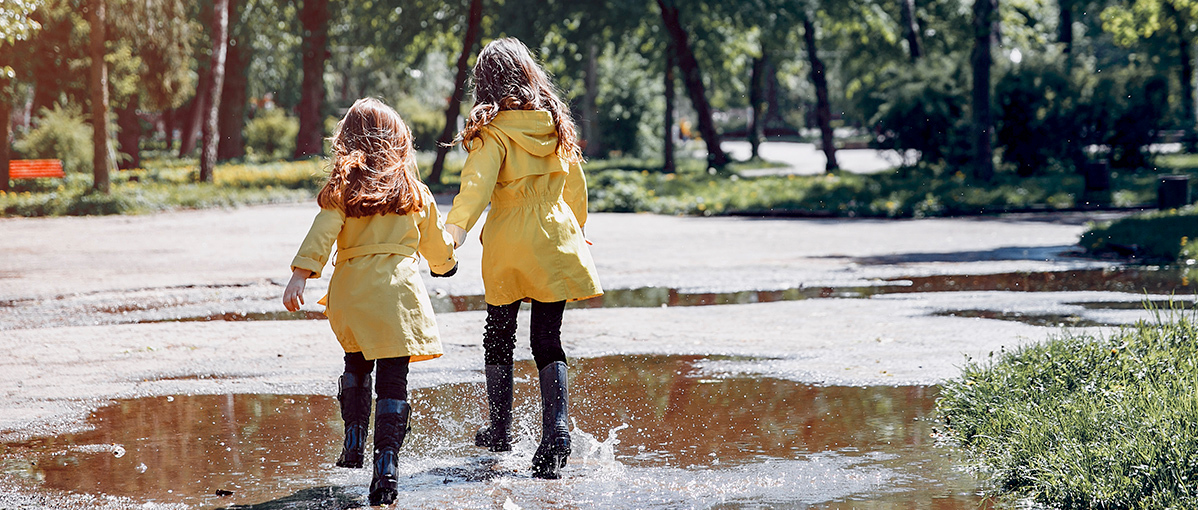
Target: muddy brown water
<point>649,432</point>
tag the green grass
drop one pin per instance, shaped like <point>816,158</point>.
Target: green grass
<point>615,185</point>
<point>1086,421</point>
<point>635,186</point>
<point>168,184</point>
<point>1156,236</point>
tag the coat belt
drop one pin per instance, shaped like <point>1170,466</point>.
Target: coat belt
<point>374,249</point>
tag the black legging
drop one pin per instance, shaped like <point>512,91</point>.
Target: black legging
<point>392,379</point>
<point>499,338</point>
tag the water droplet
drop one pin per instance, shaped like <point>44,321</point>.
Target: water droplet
<point>141,468</point>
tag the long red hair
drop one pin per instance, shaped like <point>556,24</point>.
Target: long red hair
<point>507,78</point>
<point>374,165</point>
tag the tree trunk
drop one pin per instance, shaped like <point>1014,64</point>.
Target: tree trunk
<point>694,82</point>
<point>220,50</point>
<point>757,105</point>
<point>5,131</point>
<point>1185,53</point>
<point>911,29</point>
<point>984,14</point>
<point>454,107</point>
<point>667,164</point>
<point>129,138</point>
<point>234,96</point>
<point>99,97</point>
<point>193,115</point>
<point>1065,28</point>
<point>823,106</point>
<point>590,114</point>
<point>314,16</point>
<point>169,121</point>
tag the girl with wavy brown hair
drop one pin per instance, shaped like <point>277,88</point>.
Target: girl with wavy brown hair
<point>524,161</point>
<point>381,217</point>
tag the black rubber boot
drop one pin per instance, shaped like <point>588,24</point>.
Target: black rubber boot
<point>495,435</point>
<point>551,455</point>
<point>353,391</point>
<point>390,428</point>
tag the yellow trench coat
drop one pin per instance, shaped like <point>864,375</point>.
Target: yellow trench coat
<point>377,303</point>
<point>533,245</point>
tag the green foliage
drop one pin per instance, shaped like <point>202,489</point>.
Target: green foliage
<point>271,135</point>
<point>633,185</point>
<point>629,97</point>
<point>425,122</point>
<point>1038,122</point>
<point>59,133</point>
<point>166,186</point>
<point>1086,422</point>
<point>923,108</point>
<point>1158,235</point>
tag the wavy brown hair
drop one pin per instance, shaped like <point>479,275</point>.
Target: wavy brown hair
<point>374,165</point>
<point>507,78</point>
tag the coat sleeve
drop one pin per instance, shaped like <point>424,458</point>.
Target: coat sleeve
<point>314,251</point>
<point>436,244</point>
<point>478,179</point>
<point>575,193</point>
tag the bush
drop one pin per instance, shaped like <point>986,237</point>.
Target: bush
<point>60,133</point>
<point>1157,236</point>
<point>426,123</point>
<point>1037,123</point>
<point>1085,422</point>
<point>924,108</point>
<point>271,135</point>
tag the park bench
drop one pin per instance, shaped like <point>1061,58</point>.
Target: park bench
<point>35,168</point>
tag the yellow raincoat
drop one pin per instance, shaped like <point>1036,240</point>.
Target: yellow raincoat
<point>377,303</point>
<point>533,245</point>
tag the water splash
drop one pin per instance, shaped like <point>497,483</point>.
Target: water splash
<point>604,452</point>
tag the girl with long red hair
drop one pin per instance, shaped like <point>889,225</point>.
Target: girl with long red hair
<point>381,216</point>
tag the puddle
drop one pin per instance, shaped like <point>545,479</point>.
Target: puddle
<point>1034,319</point>
<point>1133,280</point>
<point>247,316</point>
<point>1135,305</point>
<point>650,432</point>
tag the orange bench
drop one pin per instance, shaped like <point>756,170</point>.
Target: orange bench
<point>35,168</point>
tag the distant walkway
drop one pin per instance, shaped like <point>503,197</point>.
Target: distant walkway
<point>806,159</point>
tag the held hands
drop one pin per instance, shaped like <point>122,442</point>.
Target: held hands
<point>458,234</point>
<point>452,271</point>
<point>293,296</point>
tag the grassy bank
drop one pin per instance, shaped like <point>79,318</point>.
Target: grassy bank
<point>1155,236</point>
<point>1085,421</point>
<point>168,184</point>
<point>615,185</point>
<point>902,193</point>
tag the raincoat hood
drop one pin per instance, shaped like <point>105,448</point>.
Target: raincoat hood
<point>532,130</point>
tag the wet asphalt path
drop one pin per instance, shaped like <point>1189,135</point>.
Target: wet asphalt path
<point>57,274</point>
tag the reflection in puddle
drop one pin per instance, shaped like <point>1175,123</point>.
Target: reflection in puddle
<point>1133,280</point>
<point>1035,319</point>
<point>650,432</point>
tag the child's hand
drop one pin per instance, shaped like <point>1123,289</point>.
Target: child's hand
<point>458,234</point>
<point>293,296</point>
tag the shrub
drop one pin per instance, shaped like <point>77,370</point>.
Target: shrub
<point>924,108</point>
<point>60,133</point>
<point>426,124</point>
<point>271,135</point>
<point>1036,122</point>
